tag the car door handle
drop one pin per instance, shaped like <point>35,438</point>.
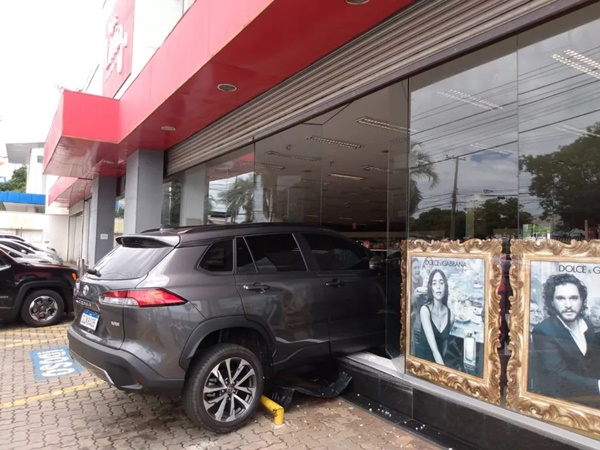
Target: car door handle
<point>334,283</point>
<point>257,287</point>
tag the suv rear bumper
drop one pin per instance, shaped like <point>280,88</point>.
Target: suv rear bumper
<point>119,368</point>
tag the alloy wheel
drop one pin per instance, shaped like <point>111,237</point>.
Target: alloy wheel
<point>229,390</point>
<point>43,308</point>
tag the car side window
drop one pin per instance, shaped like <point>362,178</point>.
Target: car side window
<point>332,253</point>
<point>276,253</point>
<point>244,262</point>
<point>3,264</point>
<point>219,257</point>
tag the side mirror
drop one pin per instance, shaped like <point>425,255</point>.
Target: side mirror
<point>376,264</point>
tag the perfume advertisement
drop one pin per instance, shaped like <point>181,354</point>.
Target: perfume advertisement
<point>564,330</point>
<point>447,322</point>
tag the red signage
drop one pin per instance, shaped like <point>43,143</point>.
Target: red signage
<point>118,47</point>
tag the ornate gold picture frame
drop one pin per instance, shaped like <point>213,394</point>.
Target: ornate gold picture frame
<point>548,376</point>
<point>451,314</point>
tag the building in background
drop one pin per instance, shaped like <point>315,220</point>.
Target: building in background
<point>383,120</point>
<point>25,213</point>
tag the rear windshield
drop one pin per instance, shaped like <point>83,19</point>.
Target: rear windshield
<point>134,259</point>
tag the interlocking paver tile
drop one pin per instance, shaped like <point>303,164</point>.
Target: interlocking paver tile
<point>84,415</point>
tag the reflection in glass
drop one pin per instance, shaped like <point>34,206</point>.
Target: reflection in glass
<point>463,166</point>
<point>171,204</point>
<point>231,188</point>
<point>559,128</point>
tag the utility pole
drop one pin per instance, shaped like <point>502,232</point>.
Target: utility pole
<point>454,198</point>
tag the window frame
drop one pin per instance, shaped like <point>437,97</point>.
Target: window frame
<point>307,266</point>
<point>235,256</point>
<point>350,243</point>
<point>210,245</point>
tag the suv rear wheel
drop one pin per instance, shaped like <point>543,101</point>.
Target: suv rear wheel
<point>42,308</point>
<point>223,388</point>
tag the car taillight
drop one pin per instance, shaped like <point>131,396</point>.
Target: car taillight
<point>141,297</point>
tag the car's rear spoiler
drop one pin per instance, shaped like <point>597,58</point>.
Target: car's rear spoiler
<point>144,240</point>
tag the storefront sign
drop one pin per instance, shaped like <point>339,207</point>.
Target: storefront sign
<point>53,362</point>
<point>554,369</point>
<point>451,312</point>
<point>118,47</point>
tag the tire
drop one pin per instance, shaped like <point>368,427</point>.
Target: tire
<point>42,308</point>
<point>245,397</point>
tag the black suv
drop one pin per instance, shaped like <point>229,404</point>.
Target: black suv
<point>210,312</point>
<point>39,293</point>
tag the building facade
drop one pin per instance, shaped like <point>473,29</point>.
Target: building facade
<point>387,121</point>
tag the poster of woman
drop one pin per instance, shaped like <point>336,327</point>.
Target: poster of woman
<point>452,311</point>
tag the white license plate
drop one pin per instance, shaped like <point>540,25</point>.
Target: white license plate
<point>89,319</point>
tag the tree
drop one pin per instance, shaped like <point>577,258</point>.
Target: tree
<point>239,196</point>
<point>499,214</point>
<point>490,217</point>
<point>18,182</point>
<point>438,220</point>
<point>421,166</point>
<point>567,181</point>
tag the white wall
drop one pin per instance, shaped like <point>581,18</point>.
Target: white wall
<point>56,233</point>
<point>36,181</point>
<point>51,229</point>
<point>152,23</point>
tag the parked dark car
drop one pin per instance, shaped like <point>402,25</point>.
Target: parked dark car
<point>39,293</point>
<point>210,312</point>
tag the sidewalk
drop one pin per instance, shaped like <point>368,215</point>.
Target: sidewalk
<point>77,411</point>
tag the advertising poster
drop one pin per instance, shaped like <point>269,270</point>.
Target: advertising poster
<point>451,314</point>
<point>554,370</point>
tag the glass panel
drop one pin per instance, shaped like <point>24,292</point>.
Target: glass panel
<point>276,253</point>
<point>244,259</point>
<point>559,186</point>
<point>231,188</point>
<point>463,147</point>
<point>559,128</point>
<point>171,206</point>
<point>119,218</point>
<point>219,257</point>
<point>335,254</point>
<point>132,260</point>
<point>288,176</point>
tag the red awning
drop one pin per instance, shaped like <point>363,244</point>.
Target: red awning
<point>253,45</point>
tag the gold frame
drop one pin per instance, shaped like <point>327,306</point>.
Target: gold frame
<point>518,398</point>
<point>488,386</point>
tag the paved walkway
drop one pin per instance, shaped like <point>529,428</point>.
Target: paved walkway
<point>69,409</point>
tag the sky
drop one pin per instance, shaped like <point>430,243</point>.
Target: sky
<point>44,44</point>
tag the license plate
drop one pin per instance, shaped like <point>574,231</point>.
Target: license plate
<point>89,319</point>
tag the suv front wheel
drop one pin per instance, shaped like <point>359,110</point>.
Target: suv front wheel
<point>223,388</point>
<point>42,308</point>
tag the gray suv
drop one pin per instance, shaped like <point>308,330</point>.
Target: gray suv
<point>212,312</point>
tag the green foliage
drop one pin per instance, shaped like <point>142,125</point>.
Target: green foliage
<point>18,182</point>
<point>239,196</point>
<point>495,215</point>
<point>567,181</point>
<point>488,218</point>
<point>421,167</point>
<point>437,219</point>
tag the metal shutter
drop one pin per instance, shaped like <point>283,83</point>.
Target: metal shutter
<point>389,51</point>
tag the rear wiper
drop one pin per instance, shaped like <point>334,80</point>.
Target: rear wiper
<point>94,272</point>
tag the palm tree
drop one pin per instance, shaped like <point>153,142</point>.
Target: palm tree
<point>239,196</point>
<point>420,166</point>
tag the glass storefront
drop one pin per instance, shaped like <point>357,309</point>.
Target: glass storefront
<point>501,143</point>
